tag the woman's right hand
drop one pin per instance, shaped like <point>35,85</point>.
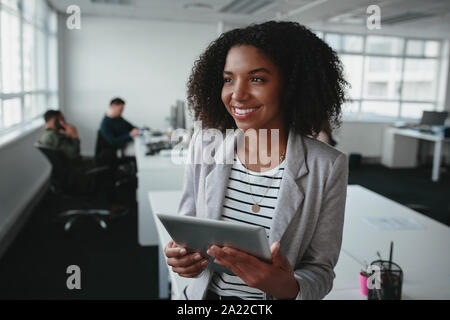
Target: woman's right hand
<point>188,265</point>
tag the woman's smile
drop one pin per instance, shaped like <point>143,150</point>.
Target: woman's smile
<point>244,112</point>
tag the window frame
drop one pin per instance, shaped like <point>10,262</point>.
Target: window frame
<point>47,92</point>
<point>354,116</point>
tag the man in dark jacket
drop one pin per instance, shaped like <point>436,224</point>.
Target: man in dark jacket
<point>115,133</point>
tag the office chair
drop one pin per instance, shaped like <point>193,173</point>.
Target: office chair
<point>106,154</point>
<point>59,186</point>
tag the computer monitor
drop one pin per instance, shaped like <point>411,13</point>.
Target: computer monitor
<point>433,118</point>
<point>177,115</point>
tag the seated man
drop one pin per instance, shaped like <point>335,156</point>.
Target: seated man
<point>115,132</point>
<point>61,135</point>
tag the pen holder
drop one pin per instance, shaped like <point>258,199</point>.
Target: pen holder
<point>390,281</point>
<point>363,282</point>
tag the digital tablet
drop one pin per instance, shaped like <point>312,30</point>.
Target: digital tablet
<point>198,234</point>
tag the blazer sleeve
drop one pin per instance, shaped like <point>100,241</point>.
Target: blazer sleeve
<point>314,273</point>
<point>188,199</point>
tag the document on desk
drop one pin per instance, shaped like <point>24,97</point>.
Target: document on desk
<point>394,223</point>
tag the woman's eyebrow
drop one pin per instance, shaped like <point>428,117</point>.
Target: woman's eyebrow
<point>250,72</point>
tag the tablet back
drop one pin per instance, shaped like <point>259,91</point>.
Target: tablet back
<point>199,234</point>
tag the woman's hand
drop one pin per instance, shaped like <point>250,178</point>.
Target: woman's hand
<point>186,264</point>
<point>276,279</point>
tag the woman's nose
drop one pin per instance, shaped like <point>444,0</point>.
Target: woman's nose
<point>240,91</point>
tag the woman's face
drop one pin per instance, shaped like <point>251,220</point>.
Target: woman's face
<point>252,89</point>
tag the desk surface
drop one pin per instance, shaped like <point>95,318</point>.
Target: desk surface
<point>422,253</point>
<point>419,135</point>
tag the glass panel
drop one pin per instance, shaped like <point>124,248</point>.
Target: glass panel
<point>53,64</point>
<point>382,76</point>
<point>415,48</point>
<point>432,49</point>
<point>29,10</point>
<point>53,102</point>
<point>52,21</point>
<point>14,4</point>
<point>10,53</point>
<point>12,112</point>
<point>41,12</point>
<point>353,43</point>
<point>29,57</point>
<point>420,79</point>
<point>384,45</point>
<point>380,108</point>
<point>414,110</point>
<point>1,114</point>
<point>353,69</point>
<point>333,40</point>
<point>41,42</point>
<point>351,108</point>
<point>34,105</point>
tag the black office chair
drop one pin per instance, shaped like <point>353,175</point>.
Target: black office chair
<point>60,186</point>
<point>106,154</point>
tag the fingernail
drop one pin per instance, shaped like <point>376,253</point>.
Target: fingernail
<point>197,257</point>
<point>204,263</point>
<point>182,251</point>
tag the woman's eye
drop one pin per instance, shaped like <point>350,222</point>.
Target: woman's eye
<point>227,80</point>
<point>256,79</point>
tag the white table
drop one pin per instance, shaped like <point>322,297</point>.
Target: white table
<point>154,173</point>
<point>422,254</point>
<point>400,148</point>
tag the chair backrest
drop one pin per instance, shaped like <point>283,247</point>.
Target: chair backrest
<point>59,161</point>
<point>105,153</point>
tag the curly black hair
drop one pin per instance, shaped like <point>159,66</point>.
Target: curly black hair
<point>314,87</point>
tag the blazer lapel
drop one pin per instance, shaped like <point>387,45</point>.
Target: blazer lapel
<point>217,179</point>
<point>290,195</point>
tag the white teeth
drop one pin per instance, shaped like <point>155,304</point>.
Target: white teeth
<point>244,111</point>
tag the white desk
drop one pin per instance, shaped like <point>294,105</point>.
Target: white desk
<point>423,254</point>
<point>400,148</point>
<point>154,173</point>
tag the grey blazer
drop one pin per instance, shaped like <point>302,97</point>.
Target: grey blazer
<point>308,220</point>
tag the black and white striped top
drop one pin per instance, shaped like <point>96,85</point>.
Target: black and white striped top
<point>237,208</point>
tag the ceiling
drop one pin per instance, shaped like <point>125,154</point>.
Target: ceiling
<point>430,18</point>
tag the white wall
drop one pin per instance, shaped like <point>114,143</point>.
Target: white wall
<point>23,172</point>
<point>145,62</point>
<point>365,138</point>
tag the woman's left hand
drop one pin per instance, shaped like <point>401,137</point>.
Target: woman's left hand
<point>276,279</point>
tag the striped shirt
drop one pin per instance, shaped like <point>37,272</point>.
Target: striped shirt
<point>237,208</point>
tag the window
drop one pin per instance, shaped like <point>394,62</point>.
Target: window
<point>384,45</point>
<point>352,43</point>
<point>391,77</point>
<point>353,70</point>
<point>28,61</point>
<point>10,52</point>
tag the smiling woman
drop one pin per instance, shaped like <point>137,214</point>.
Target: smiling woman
<point>275,79</point>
